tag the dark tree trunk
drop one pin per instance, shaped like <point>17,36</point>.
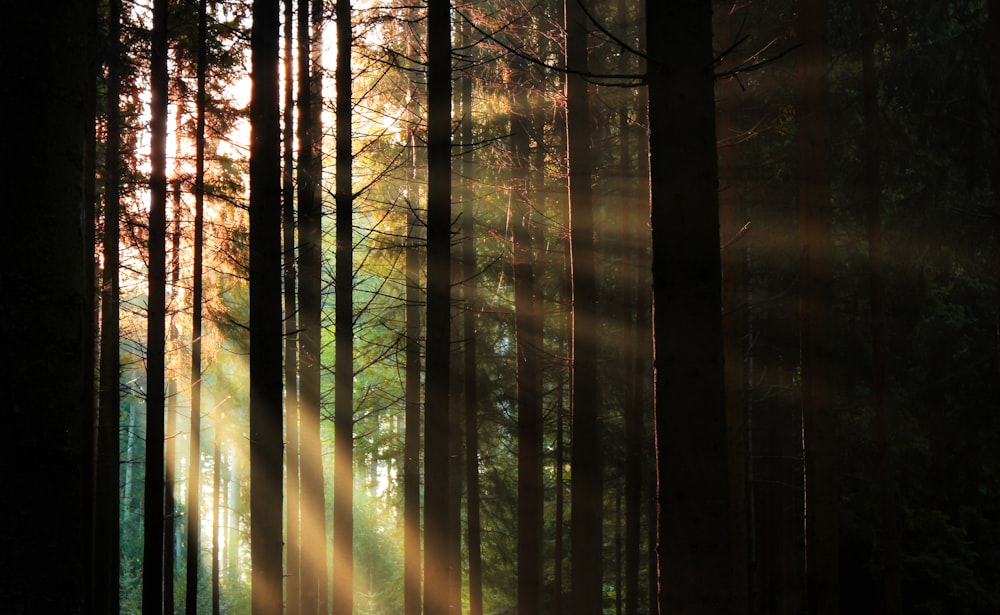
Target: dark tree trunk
<point>265,315</point>
<point>194,464</point>
<point>411,446</point>
<point>314,559</point>
<point>586,498</point>
<point>107,540</point>
<point>891,567</point>
<point>529,415</point>
<point>47,425</point>
<point>469,321</point>
<point>171,543</point>
<point>153,526</point>
<point>692,482</point>
<point>216,494</point>
<point>343,510</point>
<point>733,223</point>
<point>436,411</point>
<point>293,540</point>
<point>818,418</point>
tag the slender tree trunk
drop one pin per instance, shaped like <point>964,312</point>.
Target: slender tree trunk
<point>993,29</point>
<point>343,511</point>
<point>90,329</point>
<point>216,494</point>
<point>171,542</point>
<point>469,321</point>
<point>107,539</point>
<point>153,526</point>
<point>635,241</point>
<point>822,560</point>
<point>314,557</point>
<point>586,498</point>
<point>436,410</point>
<point>293,541</point>
<point>891,568</point>
<point>732,223</point>
<point>265,315</point>
<point>529,428</point>
<point>194,464</point>
<point>411,463</point>
<point>694,525</point>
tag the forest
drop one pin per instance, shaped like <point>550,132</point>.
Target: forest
<point>546,306</point>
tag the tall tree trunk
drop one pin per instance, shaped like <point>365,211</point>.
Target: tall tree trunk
<point>732,223</point>
<point>293,541</point>
<point>107,539</point>
<point>314,558</point>
<point>993,28</point>
<point>411,453</point>
<point>47,425</point>
<point>529,416</point>
<point>469,321</point>
<point>91,270</point>
<point>265,315</point>
<point>692,482</point>
<point>411,462</point>
<point>194,463</point>
<point>216,496</point>
<point>586,498</point>
<point>171,542</point>
<point>635,242</point>
<point>152,562</point>
<point>883,413</point>
<point>818,418</point>
<point>343,480</point>
<point>437,386</point>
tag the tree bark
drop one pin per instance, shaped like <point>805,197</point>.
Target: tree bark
<point>891,568</point>
<point>343,511</point>
<point>469,321</point>
<point>437,386</point>
<point>314,557</point>
<point>586,498</point>
<point>693,497</point>
<point>818,419</point>
<point>47,425</point>
<point>107,539</point>
<point>194,455</point>
<point>153,526</point>
<point>265,315</point>
<point>529,415</point>
<point>293,528</point>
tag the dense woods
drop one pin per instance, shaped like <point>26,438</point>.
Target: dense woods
<point>571,306</point>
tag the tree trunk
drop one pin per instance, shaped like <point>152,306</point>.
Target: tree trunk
<point>265,315</point>
<point>216,496</point>
<point>436,411</point>
<point>891,567</point>
<point>171,540</point>
<point>47,425</point>
<point>694,525</point>
<point>194,464</point>
<point>152,564</point>
<point>586,498</point>
<point>107,539</point>
<point>529,415</point>
<point>732,223</point>
<point>293,540</point>
<point>314,558</point>
<point>818,418</point>
<point>343,480</point>
<point>469,321</point>
<point>411,453</point>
